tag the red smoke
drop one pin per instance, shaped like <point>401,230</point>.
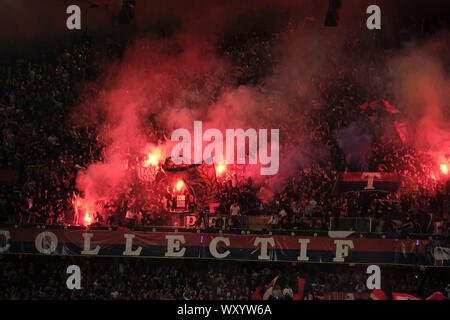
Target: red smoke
<point>168,83</point>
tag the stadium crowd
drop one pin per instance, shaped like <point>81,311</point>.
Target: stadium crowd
<point>45,148</point>
<point>27,277</point>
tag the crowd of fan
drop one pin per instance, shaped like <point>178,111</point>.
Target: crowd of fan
<point>35,101</point>
<point>45,148</point>
<point>44,278</point>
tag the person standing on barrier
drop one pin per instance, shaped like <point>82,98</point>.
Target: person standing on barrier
<point>202,217</point>
<point>235,212</point>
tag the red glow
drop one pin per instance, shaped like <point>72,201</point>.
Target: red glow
<point>152,156</point>
<point>220,169</point>
<point>444,168</point>
<point>87,219</point>
<point>80,206</point>
<point>152,160</point>
<point>179,185</point>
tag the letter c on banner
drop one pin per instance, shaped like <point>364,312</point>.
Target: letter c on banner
<point>53,242</point>
<point>213,247</point>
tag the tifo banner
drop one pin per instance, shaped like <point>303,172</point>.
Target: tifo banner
<point>216,246</point>
<point>368,181</point>
<point>201,180</point>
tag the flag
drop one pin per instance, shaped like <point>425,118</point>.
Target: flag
<point>389,107</point>
<point>364,105</point>
<point>402,131</point>
<point>378,294</point>
<point>437,296</point>
<point>319,295</point>
<point>200,179</point>
<point>374,104</point>
<point>404,296</point>
<point>269,288</point>
<point>205,175</point>
<point>368,181</point>
<point>300,290</point>
<point>257,294</point>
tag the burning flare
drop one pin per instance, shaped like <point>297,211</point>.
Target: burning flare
<point>87,219</point>
<point>80,206</point>
<point>152,160</point>
<point>220,169</point>
<point>179,185</point>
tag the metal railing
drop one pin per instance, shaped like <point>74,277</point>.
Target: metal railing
<point>371,225</point>
<point>351,224</point>
<point>304,224</point>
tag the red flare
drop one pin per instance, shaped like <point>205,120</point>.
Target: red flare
<point>179,185</point>
<point>220,169</point>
